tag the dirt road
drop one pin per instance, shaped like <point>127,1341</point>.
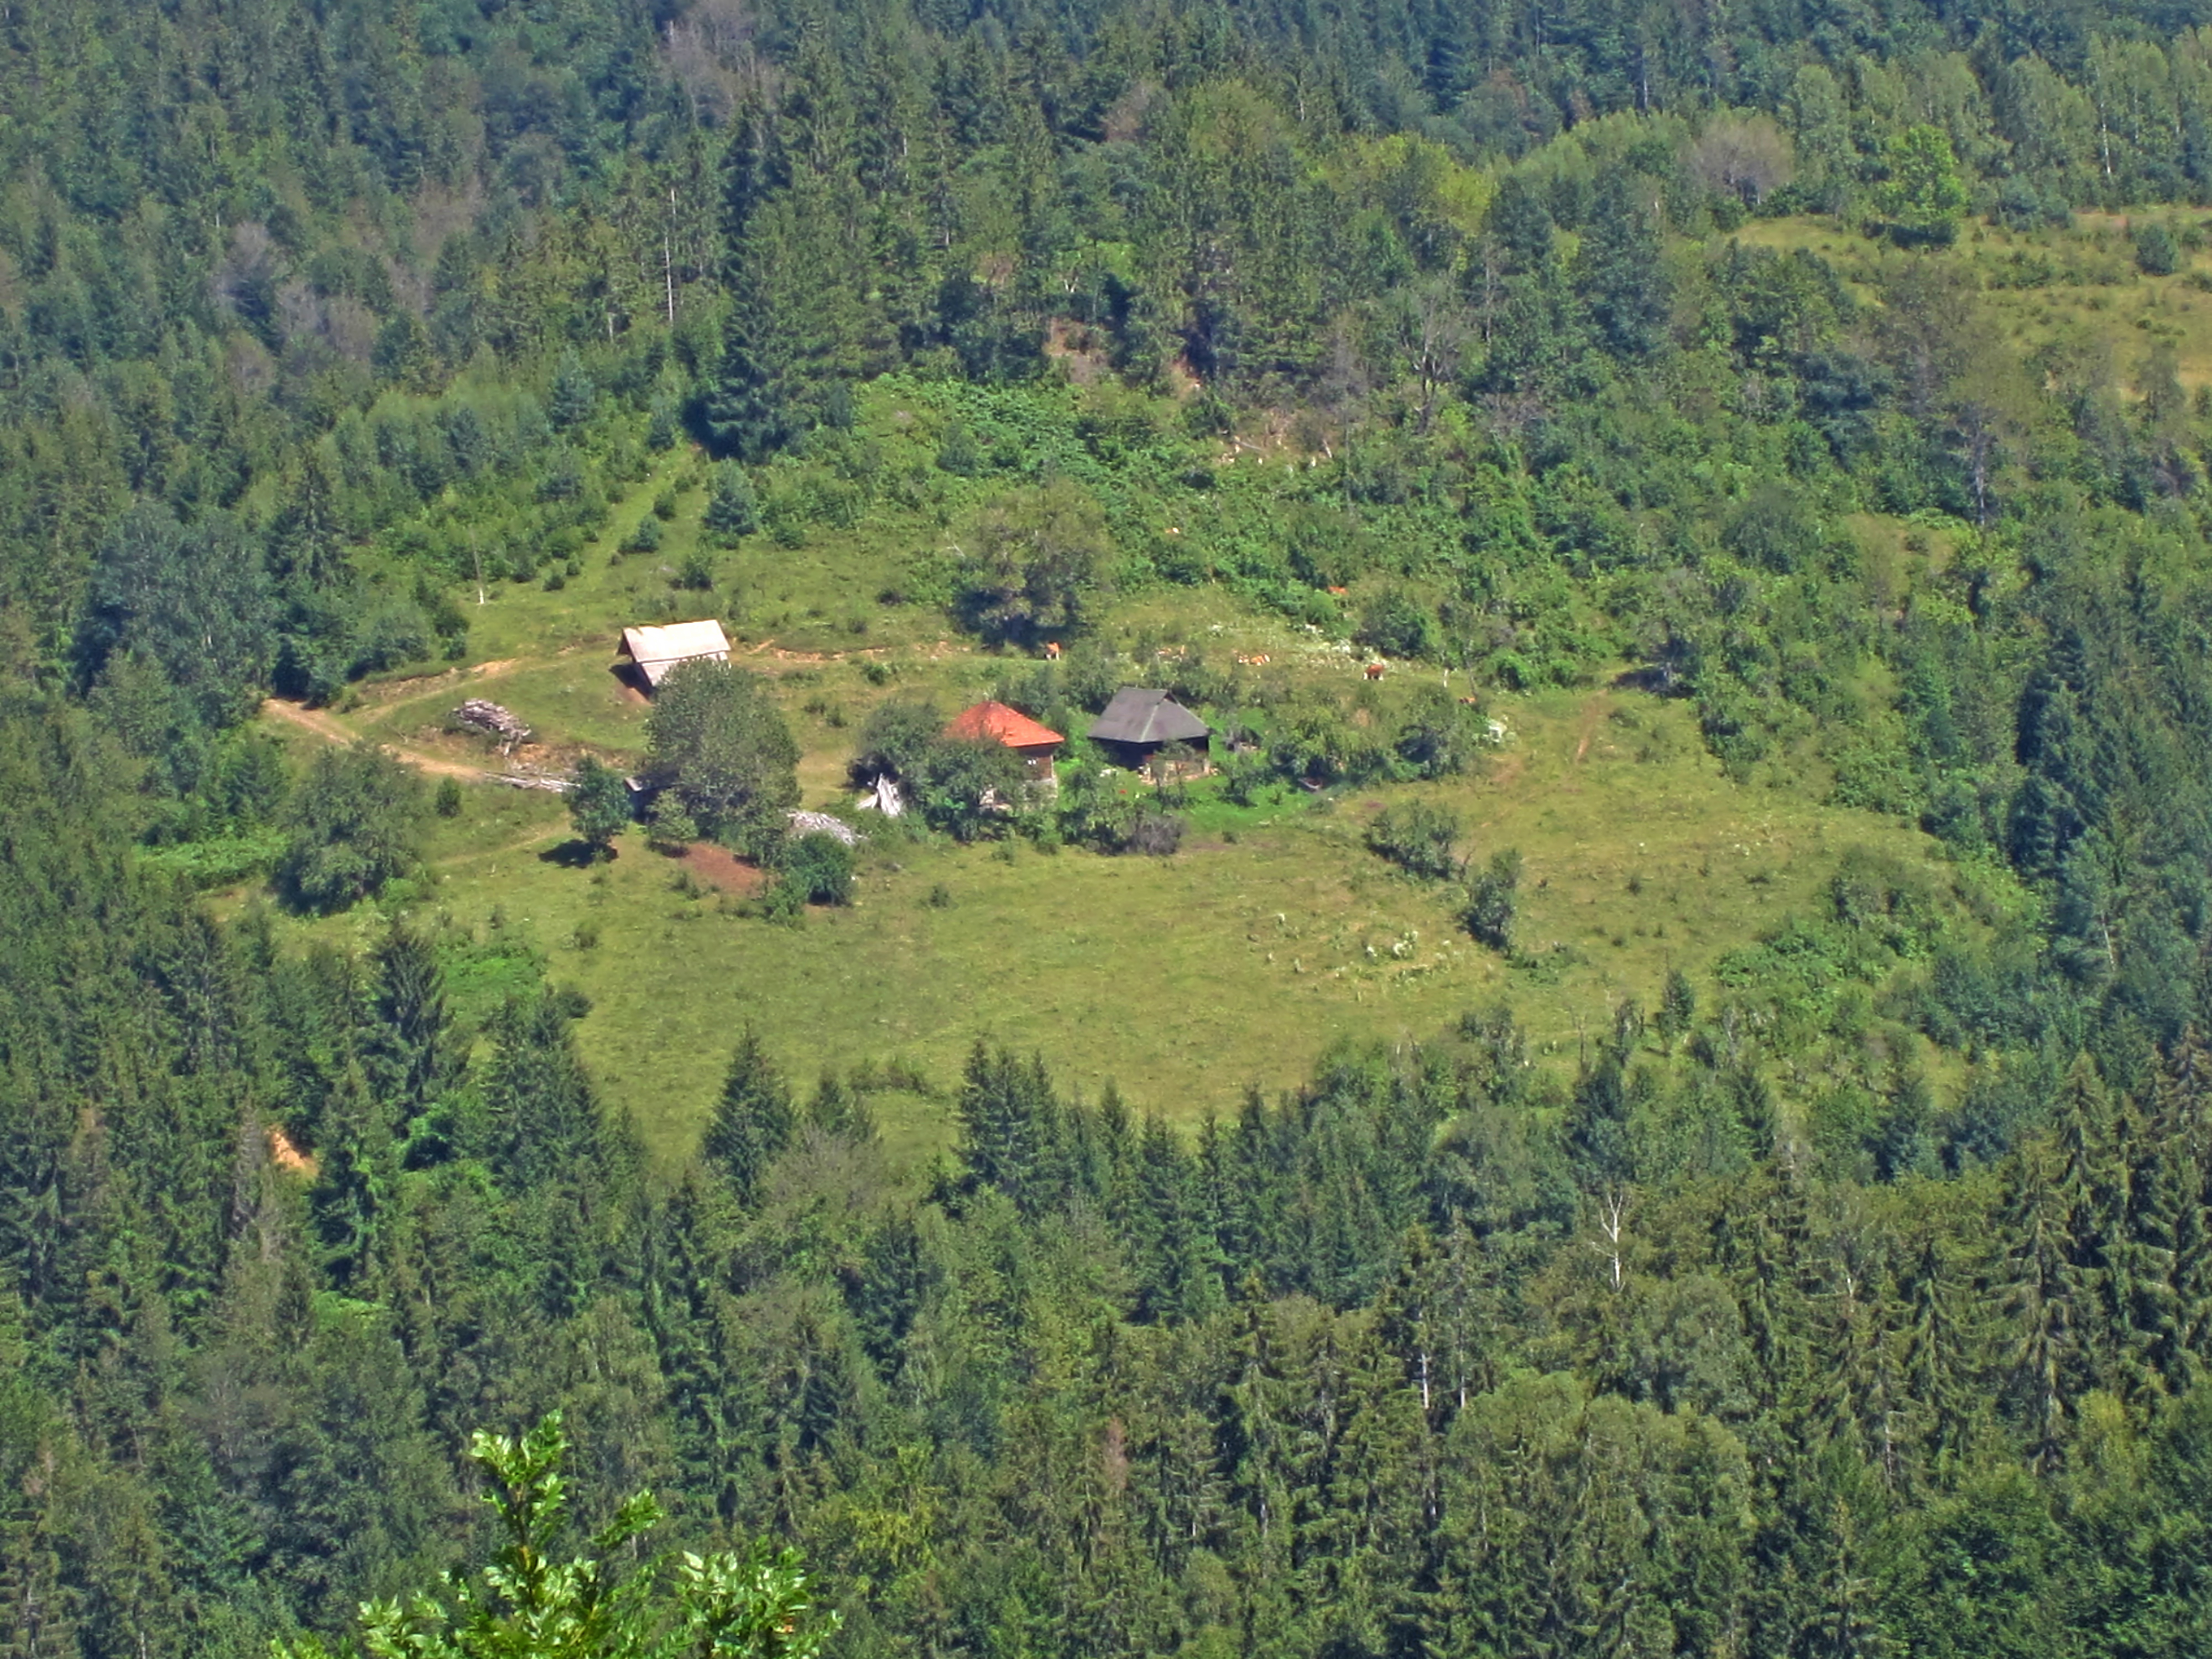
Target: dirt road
<point>325,726</point>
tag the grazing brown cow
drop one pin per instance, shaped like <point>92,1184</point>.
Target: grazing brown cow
<point>1374,671</point>
<point>1052,650</point>
<point>1471,702</point>
<point>1339,591</point>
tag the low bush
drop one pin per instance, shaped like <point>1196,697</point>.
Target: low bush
<point>817,867</point>
<point>1419,837</point>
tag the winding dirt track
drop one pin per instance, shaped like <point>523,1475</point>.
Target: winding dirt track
<point>325,726</point>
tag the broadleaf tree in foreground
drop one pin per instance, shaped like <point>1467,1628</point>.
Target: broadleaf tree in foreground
<point>528,1603</point>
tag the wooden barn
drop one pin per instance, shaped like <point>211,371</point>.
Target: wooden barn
<point>654,651</point>
<point>1148,731</point>
<point>993,722</point>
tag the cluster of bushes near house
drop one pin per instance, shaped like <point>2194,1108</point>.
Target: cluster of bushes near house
<point>722,764</point>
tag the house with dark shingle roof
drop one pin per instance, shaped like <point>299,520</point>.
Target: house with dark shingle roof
<point>993,722</point>
<point>1141,726</point>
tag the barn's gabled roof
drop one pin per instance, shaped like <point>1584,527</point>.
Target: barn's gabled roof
<point>1140,715</point>
<point>1000,724</point>
<point>657,650</point>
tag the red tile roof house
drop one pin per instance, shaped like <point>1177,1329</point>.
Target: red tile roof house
<point>993,722</point>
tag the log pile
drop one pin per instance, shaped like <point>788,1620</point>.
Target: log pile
<point>545,781</point>
<point>478,715</point>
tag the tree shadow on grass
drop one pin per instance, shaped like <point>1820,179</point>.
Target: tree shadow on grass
<point>573,855</point>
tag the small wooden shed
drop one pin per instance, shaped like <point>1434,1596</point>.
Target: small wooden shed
<point>655,650</point>
<point>1140,725</point>
<point>993,722</point>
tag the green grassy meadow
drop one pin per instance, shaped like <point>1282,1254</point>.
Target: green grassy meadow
<point>2074,291</point>
<point>1187,981</point>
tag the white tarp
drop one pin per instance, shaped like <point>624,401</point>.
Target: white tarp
<point>883,797</point>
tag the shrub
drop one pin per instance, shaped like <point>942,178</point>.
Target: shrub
<point>1036,561</point>
<point>1092,811</point>
<point>599,804</point>
<point>1490,899</point>
<point>1419,837</point>
<point>447,801</point>
<point>696,573</point>
<point>646,538</point>
<point>563,477</point>
<point>673,828</point>
<point>959,454</point>
<point>1395,624</point>
<point>353,823</point>
<point>2157,253</point>
<point>1156,833</point>
<point>959,783</point>
<point>818,868</point>
<point>1440,736</point>
<point>949,780</point>
<point>897,738</point>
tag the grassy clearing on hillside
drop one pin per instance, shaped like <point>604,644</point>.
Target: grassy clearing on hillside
<point>1275,931</point>
<point>2075,289</point>
<point>1187,980</point>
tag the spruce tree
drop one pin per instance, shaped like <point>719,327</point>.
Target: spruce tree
<point>1010,1130</point>
<point>1620,273</point>
<point>412,1051</point>
<point>732,510</point>
<point>355,1181</point>
<point>753,1120</point>
<point>541,1115</point>
<point>574,396</point>
<point>2040,1306</point>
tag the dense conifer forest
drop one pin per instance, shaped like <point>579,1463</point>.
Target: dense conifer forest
<point>1853,1300</point>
